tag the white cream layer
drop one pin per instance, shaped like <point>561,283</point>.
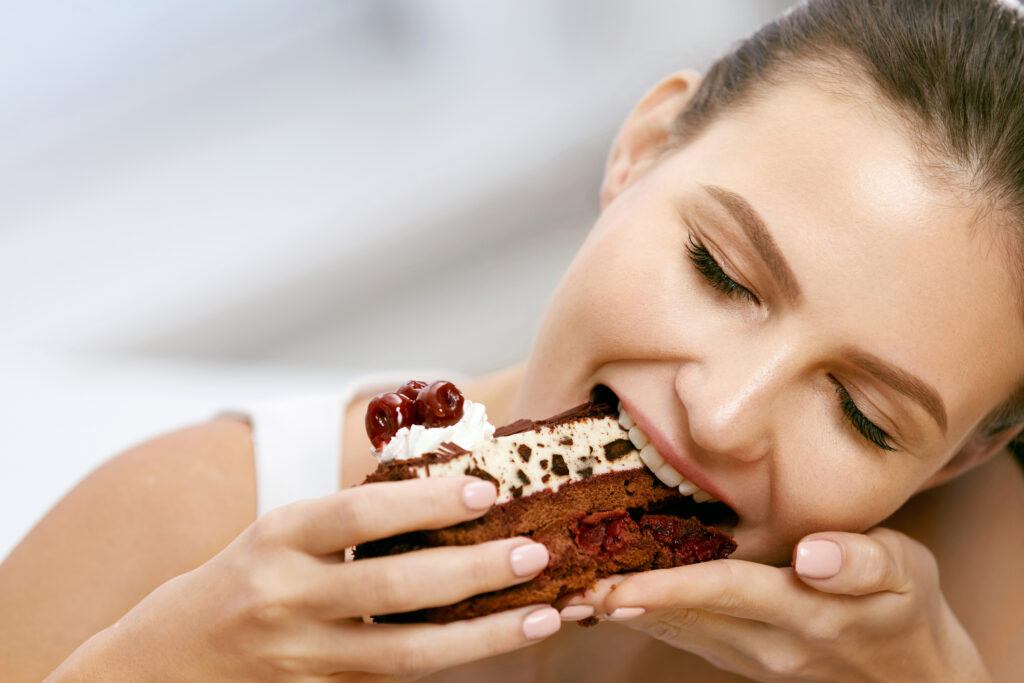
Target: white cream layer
<point>521,473</point>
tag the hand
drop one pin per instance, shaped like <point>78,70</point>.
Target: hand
<point>855,607</point>
<point>280,604</point>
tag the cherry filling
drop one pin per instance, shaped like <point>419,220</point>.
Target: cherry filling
<point>688,541</point>
<point>606,532</point>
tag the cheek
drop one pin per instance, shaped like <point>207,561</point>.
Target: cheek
<point>617,289</point>
<point>823,481</point>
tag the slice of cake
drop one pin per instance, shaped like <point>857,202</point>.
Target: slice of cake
<point>574,482</point>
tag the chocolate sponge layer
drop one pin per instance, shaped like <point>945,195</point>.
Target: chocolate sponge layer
<point>608,524</point>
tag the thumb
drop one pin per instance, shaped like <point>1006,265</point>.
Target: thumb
<point>881,560</point>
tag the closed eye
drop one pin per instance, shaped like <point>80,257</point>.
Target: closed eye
<point>708,267</point>
<point>868,429</point>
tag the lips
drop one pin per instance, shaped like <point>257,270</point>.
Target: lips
<point>664,471</point>
<point>665,463</point>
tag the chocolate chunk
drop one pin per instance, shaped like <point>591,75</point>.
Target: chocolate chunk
<point>619,448</point>
<point>482,474</point>
<point>558,465</point>
<point>585,472</point>
<point>544,464</point>
<point>522,477</point>
<point>524,452</point>
<point>516,491</point>
<point>565,441</point>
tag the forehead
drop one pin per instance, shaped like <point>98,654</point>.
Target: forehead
<point>886,257</point>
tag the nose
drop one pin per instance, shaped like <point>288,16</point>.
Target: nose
<point>729,397</point>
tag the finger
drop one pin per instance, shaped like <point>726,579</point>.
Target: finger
<point>373,511</point>
<point>588,603</point>
<point>882,560</point>
<point>412,649</point>
<point>425,578</point>
<point>736,588</point>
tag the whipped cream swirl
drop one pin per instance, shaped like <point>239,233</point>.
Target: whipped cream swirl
<point>412,442</point>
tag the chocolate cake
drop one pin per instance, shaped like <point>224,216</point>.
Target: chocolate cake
<point>574,482</point>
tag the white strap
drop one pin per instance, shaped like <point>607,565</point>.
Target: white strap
<point>297,447</point>
<point>297,440</point>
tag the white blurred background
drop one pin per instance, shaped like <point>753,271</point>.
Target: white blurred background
<point>205,203</point>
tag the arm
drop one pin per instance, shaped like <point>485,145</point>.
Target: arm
<point>115,583</point>
<point>149,514</point>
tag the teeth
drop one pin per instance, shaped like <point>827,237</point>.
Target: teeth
<point>624,419</point>
<point>688,488</point>
<point>651,457</point>
<point>668,475</point>
<point>661,469</point>
<point>638,438</point>
<point>702,496</point>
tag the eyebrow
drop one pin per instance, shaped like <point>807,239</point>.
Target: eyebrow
<point>759,235</point>
<point>902,381</point>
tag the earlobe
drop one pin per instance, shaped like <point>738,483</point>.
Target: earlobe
<point>978,449</point>
<point>645,131</point>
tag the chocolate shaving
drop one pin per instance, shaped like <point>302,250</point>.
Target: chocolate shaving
<point>585,472</point>
<point>544,464</point>
<point>524,452</point>
<point>619,448</point>
<point>545,478</point>
<point>514,428</point>
<point>516,491</point>
<point>523,477</point>
<point>565,441</point>
<point>602,407</point>
<point>558,465</point>
<point>451,448</point>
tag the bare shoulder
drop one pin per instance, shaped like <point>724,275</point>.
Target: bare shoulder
<point>153,512</point>
<point>975,527</point>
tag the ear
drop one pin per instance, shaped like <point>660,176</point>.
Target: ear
<point>645,131</point>
<point>976,451</point>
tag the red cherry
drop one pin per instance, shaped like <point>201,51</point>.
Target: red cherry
<point>439,405</point>
<point>411,389</point>
<point>385,415</point>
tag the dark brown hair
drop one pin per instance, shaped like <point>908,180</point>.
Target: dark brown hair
<point>950,71</point>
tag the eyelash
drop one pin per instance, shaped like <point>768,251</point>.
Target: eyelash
<point>708,267</point>
<point>866,427</point>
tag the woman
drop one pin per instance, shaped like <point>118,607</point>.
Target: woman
<point>804,284</point>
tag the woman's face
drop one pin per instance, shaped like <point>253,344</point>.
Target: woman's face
<point>862,287</point>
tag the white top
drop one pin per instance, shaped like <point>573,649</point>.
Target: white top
<point>297,440</point>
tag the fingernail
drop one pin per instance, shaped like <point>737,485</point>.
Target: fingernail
<point>818,559</point>
<point>479,495</point>
<point>528,559</point>
<point>541,623</point>
<point>576,612</point>
<point>624,613</point>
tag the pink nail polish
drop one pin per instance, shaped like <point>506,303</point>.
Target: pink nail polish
<point>479,495</point>
<point>818,559</point>
<point>624,613</point>
<point>528,559</point>
<point>541,623</point>
<point>576,612</point>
